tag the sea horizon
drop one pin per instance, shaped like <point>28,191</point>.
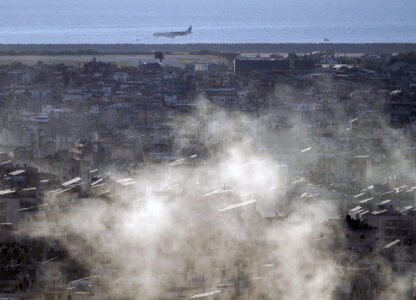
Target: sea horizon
<point>266,21</point>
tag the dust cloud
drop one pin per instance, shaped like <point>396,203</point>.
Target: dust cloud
<point>229,220</point>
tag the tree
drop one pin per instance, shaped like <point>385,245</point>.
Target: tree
<point>60,67</point>
<point>292,56</point>
<point>406,57</point>
<point>159,56</point>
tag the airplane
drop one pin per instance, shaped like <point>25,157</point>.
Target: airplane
<point>172,34</point>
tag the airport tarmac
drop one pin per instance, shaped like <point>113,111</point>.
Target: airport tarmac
<point>175,60</point>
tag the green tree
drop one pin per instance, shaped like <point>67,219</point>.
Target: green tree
<point>159,55</point>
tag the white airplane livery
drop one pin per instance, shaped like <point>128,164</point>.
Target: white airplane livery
<point>173,34</point>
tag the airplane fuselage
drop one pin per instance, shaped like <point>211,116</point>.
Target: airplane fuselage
<point>173,34</point>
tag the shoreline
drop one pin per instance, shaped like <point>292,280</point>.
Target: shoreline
<point>65,49</point>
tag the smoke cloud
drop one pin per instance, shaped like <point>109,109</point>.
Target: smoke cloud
<point>234,222</point>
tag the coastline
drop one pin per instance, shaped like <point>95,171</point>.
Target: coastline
<point>47,49</point>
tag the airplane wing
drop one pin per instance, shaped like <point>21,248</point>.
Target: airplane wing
<point>164,34</point>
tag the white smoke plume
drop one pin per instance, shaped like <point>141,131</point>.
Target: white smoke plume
<point>223,223</point>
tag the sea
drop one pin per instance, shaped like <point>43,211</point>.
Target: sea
<point>213,21</point>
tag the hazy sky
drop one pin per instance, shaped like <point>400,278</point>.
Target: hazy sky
<point>394,11</point>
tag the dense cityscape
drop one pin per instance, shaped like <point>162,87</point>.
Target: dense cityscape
<point>209,176</point>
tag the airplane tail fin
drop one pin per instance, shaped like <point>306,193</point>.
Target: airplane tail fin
<point>189,29</point>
